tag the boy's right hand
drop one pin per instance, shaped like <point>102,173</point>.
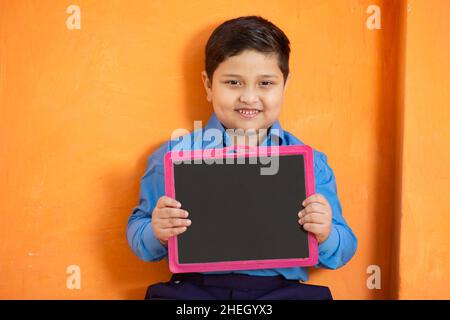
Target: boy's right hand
<point>168,219</point>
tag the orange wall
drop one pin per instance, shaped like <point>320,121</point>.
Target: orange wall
<point>81,111</point>
<point>425,217</point>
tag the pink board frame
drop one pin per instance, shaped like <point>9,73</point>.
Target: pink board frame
<point>172,156</point>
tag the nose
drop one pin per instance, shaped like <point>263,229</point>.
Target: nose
<point>249,96</point>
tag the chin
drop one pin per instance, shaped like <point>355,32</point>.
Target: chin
<point>251,126</point>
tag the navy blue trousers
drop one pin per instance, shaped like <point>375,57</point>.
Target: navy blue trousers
<point>197,286</point>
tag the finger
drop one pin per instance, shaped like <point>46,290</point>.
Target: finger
<point>174,223</point>
<point>312,227</point>
<point>175,231</point>
<point>166,201</point>
<point>313,218</point>
<point>167,213</point>
<point>318,208</point>
<point>315,207</point>
<point>317,197</point>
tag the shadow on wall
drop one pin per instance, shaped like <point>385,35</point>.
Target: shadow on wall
<point>116,254</point>
<point>197,108</point>
<point>391,93</point>
<point>122,267</point>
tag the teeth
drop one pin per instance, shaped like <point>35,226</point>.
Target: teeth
<point>248,112</point>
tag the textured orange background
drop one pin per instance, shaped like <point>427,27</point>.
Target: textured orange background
<point>81,110</point>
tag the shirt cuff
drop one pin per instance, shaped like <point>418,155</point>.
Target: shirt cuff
<point>330,245</point>
<point>156,249</point>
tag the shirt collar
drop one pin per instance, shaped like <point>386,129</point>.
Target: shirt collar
<point>274,135</point>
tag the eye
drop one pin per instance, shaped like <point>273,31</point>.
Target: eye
<point>233,82</point>
<point>266,83</point>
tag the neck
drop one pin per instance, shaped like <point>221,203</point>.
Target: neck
<point>252,139</point>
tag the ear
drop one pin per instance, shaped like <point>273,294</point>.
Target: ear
<point>208,86</point>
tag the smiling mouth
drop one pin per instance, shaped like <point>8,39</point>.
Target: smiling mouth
<point>248,113</point>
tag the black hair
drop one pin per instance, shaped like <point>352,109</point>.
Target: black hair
<point>248,32</point>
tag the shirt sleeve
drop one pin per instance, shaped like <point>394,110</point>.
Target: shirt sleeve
<point>140,234</point>
<point>341,243</point>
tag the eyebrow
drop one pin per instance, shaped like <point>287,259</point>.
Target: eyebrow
<point>261,75</point>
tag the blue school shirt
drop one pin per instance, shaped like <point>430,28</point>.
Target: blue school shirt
<point>334,252</point>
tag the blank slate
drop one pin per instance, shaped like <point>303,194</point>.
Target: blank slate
<point>243,204</point>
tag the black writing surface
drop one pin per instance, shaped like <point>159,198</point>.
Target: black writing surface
<point>239,214</point>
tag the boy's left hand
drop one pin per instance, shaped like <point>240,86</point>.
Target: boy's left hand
<point>316,216</point>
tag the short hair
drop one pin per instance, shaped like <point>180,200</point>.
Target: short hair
<point>247,32</point>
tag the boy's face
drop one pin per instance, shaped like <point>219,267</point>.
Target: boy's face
<point>247,90</point>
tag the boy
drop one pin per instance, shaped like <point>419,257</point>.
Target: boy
<point>245,77</point>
